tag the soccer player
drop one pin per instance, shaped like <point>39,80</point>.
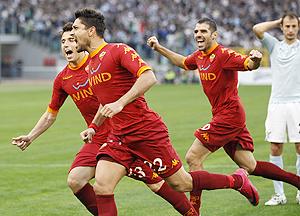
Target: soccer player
<point>283,112</point>
<point>217,67</point>
<point>73,81</point>
<point>119,78</point>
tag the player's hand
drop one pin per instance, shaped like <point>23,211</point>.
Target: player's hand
<point>255,56</point>
<point>87,134</point>
<point>21,142</point>
<point>152,42</point>
<point>111,109</point>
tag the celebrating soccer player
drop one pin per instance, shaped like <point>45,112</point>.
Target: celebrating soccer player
<point>119,78</point>
<point>217,67</point>
<point>283,117</point>
<point>73,81</point>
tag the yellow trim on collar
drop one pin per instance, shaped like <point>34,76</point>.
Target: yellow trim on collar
<point>92,54</point>
<point>80,64</point>
<point>210,50</point>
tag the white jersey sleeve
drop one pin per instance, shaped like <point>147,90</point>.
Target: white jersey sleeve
<point>269,41</point>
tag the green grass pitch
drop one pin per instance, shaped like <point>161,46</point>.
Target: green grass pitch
<point>33,182</point>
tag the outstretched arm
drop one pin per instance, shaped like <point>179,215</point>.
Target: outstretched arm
<point>175,58</point>
<point>45,122</point>
<point>260,28</point>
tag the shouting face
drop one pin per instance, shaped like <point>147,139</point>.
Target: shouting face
<point>69,47</point>
<point>81,34</point>
<point>204,37</point>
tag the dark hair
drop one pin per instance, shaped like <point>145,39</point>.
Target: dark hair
<point>290,15</point>
<point>67,27</point>
<point>212,24</point>
<point>90,17</point>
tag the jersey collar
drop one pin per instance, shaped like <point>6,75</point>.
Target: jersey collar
<point>210,50</point>
<point>80,64</point>
<point>92,54</point>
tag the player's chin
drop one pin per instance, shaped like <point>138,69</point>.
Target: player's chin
<point>201,48</point>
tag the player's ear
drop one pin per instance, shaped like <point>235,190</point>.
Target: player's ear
<point>214,35</point>
<point>92,30</point>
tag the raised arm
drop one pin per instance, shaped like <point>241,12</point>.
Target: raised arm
<point>260,28</point>
<point>174,57</point>
<point>45,122</point>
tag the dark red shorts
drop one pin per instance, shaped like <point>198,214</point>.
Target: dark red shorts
<point>156,152</point>
<point>138,170</point>
<point>216,135</point>
<point>86,156</point>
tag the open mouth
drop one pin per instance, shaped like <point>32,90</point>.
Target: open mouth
<point>68,53</point>
<point>200,41</point>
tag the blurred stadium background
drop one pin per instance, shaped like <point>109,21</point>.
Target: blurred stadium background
<point>33,183</point>
<point>30,43</point>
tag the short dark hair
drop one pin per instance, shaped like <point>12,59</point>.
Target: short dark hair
<point>90,17</point>
<point>66,28</point>
<point>212,24</point>
<point>290,15</point>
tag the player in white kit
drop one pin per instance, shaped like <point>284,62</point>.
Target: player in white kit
<point>283,119</point>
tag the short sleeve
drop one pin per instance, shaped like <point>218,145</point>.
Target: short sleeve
<point>190,62</point>
<point>269,41</point>
<point>131,61</point>
<point>58,95</point>
<point>231,60</point>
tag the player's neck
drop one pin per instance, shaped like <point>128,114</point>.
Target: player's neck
<point>78,60</point>
<point>95,44</point>
<point>289,42</point>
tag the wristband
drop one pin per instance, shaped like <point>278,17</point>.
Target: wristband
<point>94,126</point>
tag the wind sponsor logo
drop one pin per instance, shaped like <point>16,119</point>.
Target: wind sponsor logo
<point>82,91</point>
<point>99,78</point>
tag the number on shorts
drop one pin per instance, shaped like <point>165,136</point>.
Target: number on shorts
<point>138,172</point>
<point>158,162</point>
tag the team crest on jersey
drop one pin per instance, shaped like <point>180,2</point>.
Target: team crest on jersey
<point>101,55</point>
<point>67,77</point>
<point>212,57</point>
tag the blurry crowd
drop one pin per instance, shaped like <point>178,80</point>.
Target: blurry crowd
<point>132,21</point>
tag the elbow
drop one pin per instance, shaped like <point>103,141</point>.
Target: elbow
<point>154,81</point>
<point>257,31</point>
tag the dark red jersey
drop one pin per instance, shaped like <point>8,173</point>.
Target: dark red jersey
<point>219,77</point>
<point>113,70</point>
<point>74,82</point>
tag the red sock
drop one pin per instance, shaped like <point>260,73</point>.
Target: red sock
<point>271,171</point>
<point>203,180</point>
<point>178,200</point>
<point>106,205</point>
<point>87,197</point>
<point>195,200</point>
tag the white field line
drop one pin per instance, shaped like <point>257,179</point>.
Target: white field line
<point>57,165</point>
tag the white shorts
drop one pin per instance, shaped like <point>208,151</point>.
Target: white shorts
<point>283,120</point>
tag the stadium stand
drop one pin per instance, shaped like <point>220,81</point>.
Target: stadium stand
<point>132,21</point>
